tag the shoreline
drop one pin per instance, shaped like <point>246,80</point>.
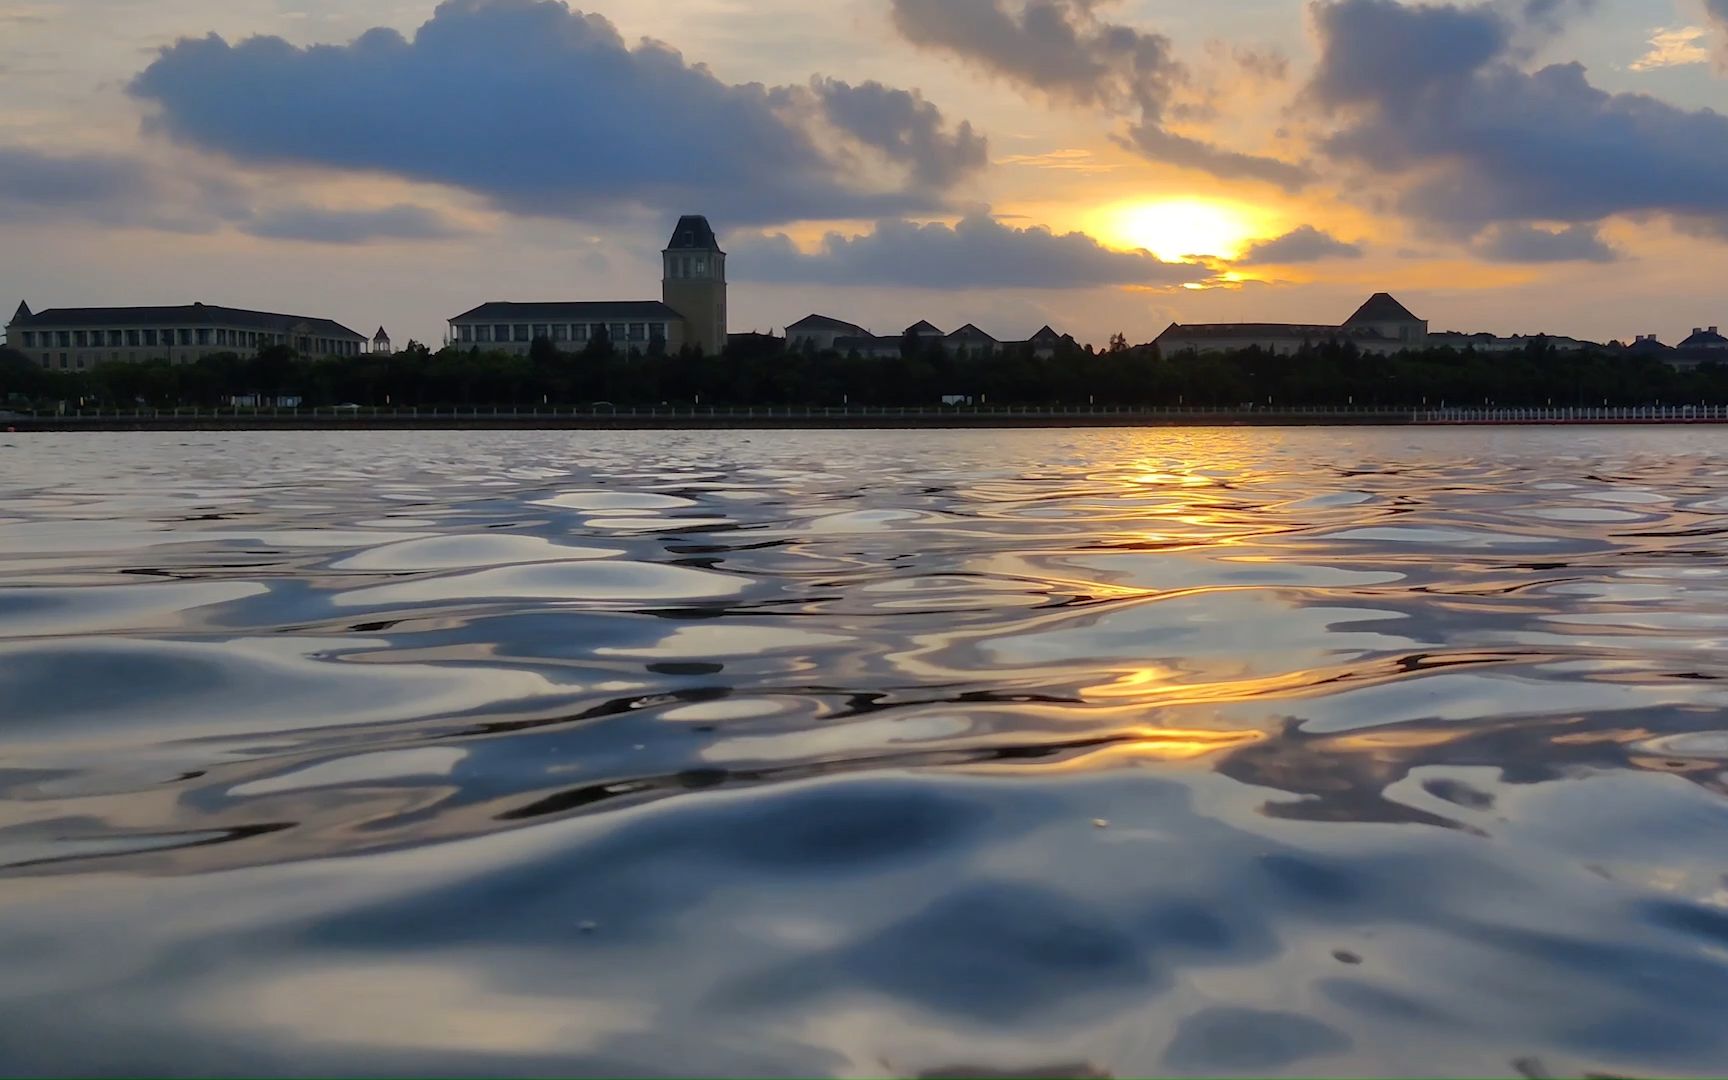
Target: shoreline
<point>859,420</point>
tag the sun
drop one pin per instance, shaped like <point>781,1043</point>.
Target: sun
<point>1177,229</point>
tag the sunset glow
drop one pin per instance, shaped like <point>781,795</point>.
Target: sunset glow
<point>1179,229</point>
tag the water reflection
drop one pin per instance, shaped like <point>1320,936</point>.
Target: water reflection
<point>1045,753</point>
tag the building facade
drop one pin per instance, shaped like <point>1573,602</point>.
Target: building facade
<point>1382,326</point>
<point>824,333</point>
<point>77,339</point>
<point>690,312</point>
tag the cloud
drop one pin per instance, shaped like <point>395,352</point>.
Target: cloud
<point>1431,98</point>
<point>1061,49</point>
<point>1717,12</point>
<point>976,253</point>
<point>1301,245</point>
<point>116,191</point>
<point>1675,47</point>
<point>1512,243</point>
<point>321,225</point>
<point>546,110</point>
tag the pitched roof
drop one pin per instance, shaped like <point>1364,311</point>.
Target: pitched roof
<point>969,332</point>
<point>693,233</point>
<point>1045,333</point>
<point>570,311</point>
<point>1704,339</point>
<point>22,314</point>
<point>921,328</point>
<point>825,322</point>
<point>190,315</point>
<point>380,334</point>
<point>1289,331</point>
<point>1381,307</point>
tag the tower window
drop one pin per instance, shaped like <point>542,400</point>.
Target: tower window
<point>701,267</point>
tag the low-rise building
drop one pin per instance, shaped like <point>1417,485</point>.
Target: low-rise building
<point>691,309</point>
<point>1381,326</point>
<point>1706,339</point>
<point>820,332</point>
<point>77,339</point>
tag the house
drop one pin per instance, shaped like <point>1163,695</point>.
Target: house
<point>1381,326</point>
<point>691,309</point>
<point>1706,340</point>
<point>820,332</point>
<point>970,339</point>
<point>75,339</point>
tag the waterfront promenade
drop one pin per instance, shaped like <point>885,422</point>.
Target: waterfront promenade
<point>792,417</point>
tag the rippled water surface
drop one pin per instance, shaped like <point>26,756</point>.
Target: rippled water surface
<point>1294,752</point>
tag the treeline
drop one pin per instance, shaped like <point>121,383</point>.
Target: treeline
<point>761,371</point>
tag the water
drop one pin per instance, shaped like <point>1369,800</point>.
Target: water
<point>1309,752</point>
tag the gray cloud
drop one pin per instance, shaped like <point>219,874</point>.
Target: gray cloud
<point>109,188</point>
<point>1514,243</point>
<point>1062,49</point>
<point>978,252</point>
<point>322,225</point>
<point>1432,96</point>
<point>1717,10</point>
<point>126,192</point>
<point>1304,244</point>
<point>545,110</point>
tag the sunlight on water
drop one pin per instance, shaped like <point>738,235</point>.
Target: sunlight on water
<point>1292,752</point>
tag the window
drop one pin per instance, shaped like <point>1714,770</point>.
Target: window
<point>657,332</point>
<point>500,333</point>
<point>560,331</point>
<point>131,339</point>
<point>62,361</point>
<point>638,331</point>
<point>185,337</point>
<point>203,336</point>
<point>63,338</point>
<point>80,361</point>
<point>481,333</point>
<point>579,331</point>
<point>616,331</point>
<point>465,333</point>
<point>149,339</point>
<point>80,338</point>
<point>521,331</point>
<point>29,339</point>
<point>701,267</point>
<point>540,330</point>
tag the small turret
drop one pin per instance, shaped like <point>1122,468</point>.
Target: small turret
<point>381,343</point>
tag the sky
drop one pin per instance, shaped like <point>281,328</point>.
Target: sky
<point>1103,166</point>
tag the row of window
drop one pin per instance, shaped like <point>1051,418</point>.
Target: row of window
<point>467,333</point>
<point>208,337</point>
<point>690,266</point>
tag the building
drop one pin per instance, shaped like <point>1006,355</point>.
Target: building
<point>76,339</point>
<point>820,332</point>
<point>381,343</point>
<point>691,310</point>
<point>1491,343</point>
<point>828,334</point>
<point>1706,340</point>
<point>1381,326</point>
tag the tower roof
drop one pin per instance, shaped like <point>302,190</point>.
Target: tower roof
<point>380,334</point>
<point>1381,307</point>
<point>693,233</point>
<point>22,314</point>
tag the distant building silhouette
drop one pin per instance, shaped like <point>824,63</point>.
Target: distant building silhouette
<point>1381,325</point>
<point>381,343</point>
<point>75,339</point>
<point>826,333</point>
<point>691,310</point>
